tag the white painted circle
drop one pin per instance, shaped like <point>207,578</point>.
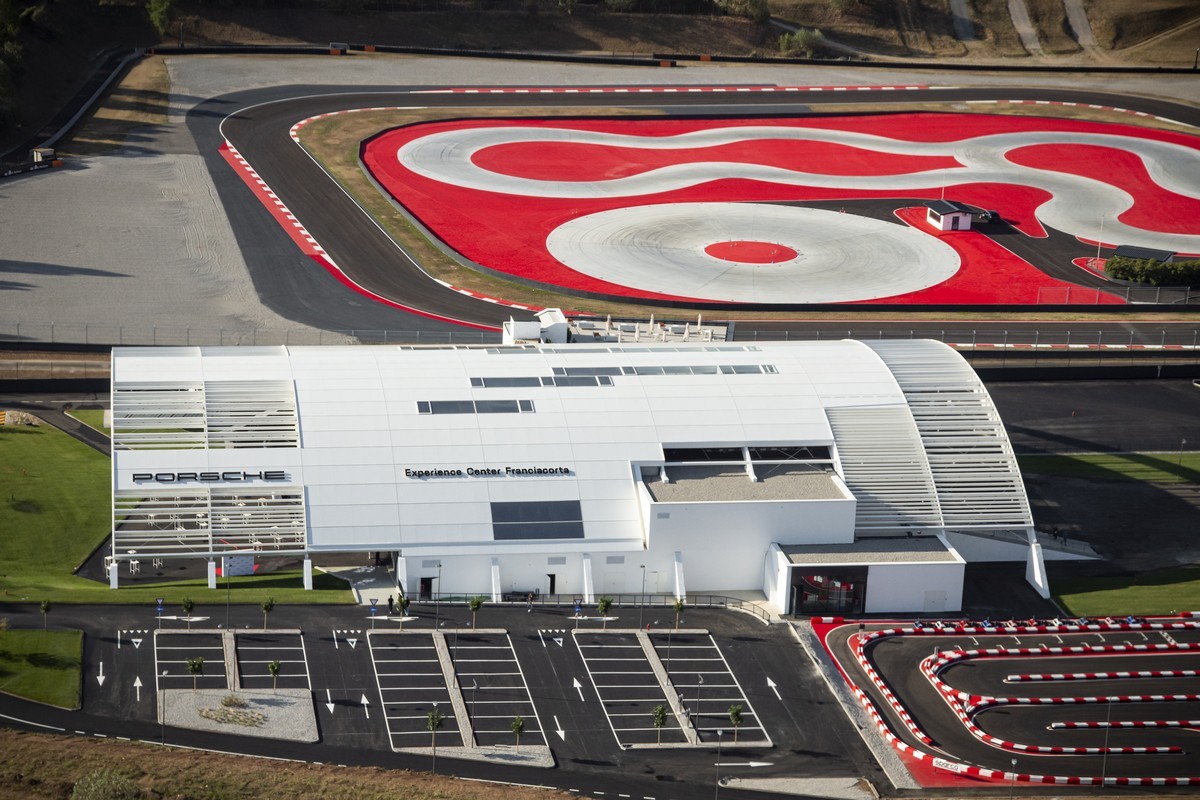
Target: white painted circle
<point>839,258</point>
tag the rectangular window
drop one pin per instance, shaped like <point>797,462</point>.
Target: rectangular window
<point>551,519</point>
<point>496,407</point>
<point>505,383</point>
<point>556,561</point>
<point>423,407</point>
<point>604,380</point>
<point>591,371</point>
<point>614,559</point>
<point>477,382</point>
<point>526,406</point>
<point>701,454</point>
<point>790,453</point>
<point>451,407</point>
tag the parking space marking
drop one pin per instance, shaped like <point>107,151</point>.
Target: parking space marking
<point>254,669</point>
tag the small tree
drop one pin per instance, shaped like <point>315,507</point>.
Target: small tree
<point>160,13</point>
<point>660,719</point>
<point>273,668</point>
<point>475,603</point>
<point>187,604</point>
<point>45,612</point>
<point>196,667</point>
<point>267,607</point>
<point>518,728</point>
<point>678,606</point>
<point>735,719</point>
<point>603,605</point>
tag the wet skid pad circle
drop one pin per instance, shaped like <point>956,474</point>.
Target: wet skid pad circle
<point>836,257</point>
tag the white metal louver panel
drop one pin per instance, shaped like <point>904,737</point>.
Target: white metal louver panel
<point>158,416</point>
<point>202,522</point>
<point>884,467</point>
<point>970,456</point>
<point>251,414</point>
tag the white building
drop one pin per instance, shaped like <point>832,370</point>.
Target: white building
<point>833,476</point>
<point>947,215</point>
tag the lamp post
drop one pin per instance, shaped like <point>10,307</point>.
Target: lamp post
<point>642,595</point>
<point>1182,442</point>
<point>717,787</point>
<point>1107,729</point>
<point>163,712</point>
<point>696,724</point>
<point>474,689</point>
<point>1012,784</point>
<point>1196,60</point>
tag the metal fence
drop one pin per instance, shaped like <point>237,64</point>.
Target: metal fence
<point>93,334</point>
<point>664,602</point>
<point>1087,295</point>
<point>969,337</point>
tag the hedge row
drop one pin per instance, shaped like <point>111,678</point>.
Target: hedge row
<point>1155,273</point>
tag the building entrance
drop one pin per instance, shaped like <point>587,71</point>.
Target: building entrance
<point>835,591</point>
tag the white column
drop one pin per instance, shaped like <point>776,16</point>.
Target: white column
<point>112,574</point>
<point>1035,569</point>
<point>212,574</point>
<point>307,574</point>
<point>589,594</point>
<point>680,585</point>
<point>496,593</point>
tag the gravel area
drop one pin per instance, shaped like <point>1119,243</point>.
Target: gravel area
<point>286,714</point>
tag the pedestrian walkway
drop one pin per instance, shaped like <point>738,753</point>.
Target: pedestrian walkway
<point>367,582</point>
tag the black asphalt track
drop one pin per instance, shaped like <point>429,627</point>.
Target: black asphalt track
<point>257,123</point>
<point>897,659</point>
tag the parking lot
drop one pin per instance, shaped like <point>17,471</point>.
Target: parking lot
<point>255,653</point>
<point>172,651</point>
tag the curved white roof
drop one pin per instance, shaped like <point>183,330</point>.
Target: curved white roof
<point>416,447</point>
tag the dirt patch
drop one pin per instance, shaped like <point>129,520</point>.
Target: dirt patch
<point>34,766</point>
<point>135,106</point>
<point>1050,19</point>
<point>994,26</point>
<point>1125,24</point>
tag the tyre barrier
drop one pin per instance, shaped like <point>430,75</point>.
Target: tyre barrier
<point>859,645</point>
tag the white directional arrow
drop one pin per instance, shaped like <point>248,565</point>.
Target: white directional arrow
<point>137,685</point>
<point>365,703</point>
<point>329,697</point>
<point>100,677</point>
<point>745,764</point>
<point>558,640</point>
<point>352,642</point>
<point>136,643</point>
<point>772,686</point>
<point>579,688</point>
<point>558,729</point>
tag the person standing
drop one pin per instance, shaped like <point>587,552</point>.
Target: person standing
<point>529,603</point>
<point>391,605</point>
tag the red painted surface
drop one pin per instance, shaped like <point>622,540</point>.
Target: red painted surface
<point>508,232</point>
<point>743,252</point>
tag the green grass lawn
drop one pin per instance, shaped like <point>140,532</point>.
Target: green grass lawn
<point>42,665</point>
<point>92,417</point>
<point>55,509</point>
<point>1161,592</point>
<point>1151,467</point>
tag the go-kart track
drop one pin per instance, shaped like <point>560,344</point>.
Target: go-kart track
<point>1070,702</point>
<point>708,207</point>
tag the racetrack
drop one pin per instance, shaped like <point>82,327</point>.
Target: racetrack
<point>260,132</point>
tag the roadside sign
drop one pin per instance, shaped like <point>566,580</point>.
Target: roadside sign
<point>158,601</point>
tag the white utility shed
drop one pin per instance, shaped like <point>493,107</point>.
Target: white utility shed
<point>834,476</point>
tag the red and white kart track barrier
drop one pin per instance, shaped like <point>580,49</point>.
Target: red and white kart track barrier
<point>858,647</point>
<point>1102,676</point>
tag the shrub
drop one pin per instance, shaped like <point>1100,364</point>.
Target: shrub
<point>233,701</point>
<point>160,13</point>
<point>804,40</point>
<point>105,784</point>
<point>1155,273</point>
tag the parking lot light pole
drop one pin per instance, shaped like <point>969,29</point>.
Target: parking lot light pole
<point>696,724</point>
<point>163,711</point>
<point>1012,784</point>
<point>717,787</point>
<point>474,689</point>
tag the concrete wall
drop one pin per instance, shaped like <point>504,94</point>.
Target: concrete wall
<point>914,587</point>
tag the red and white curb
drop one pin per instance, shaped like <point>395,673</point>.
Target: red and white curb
<point>1148,723</point>
<point>1101,676</point>
<point>980,772</point>
<point>1069,104</point>
<point>670,89</point>
<point>310,246</point>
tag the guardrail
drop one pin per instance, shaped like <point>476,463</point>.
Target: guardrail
<point>632,600</point>
<point>101,335</point>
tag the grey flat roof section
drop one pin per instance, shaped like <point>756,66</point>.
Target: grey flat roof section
<point>697,484</point>
<point>896,550</point>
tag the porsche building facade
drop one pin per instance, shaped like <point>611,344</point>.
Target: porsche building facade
<point>832,476</point>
